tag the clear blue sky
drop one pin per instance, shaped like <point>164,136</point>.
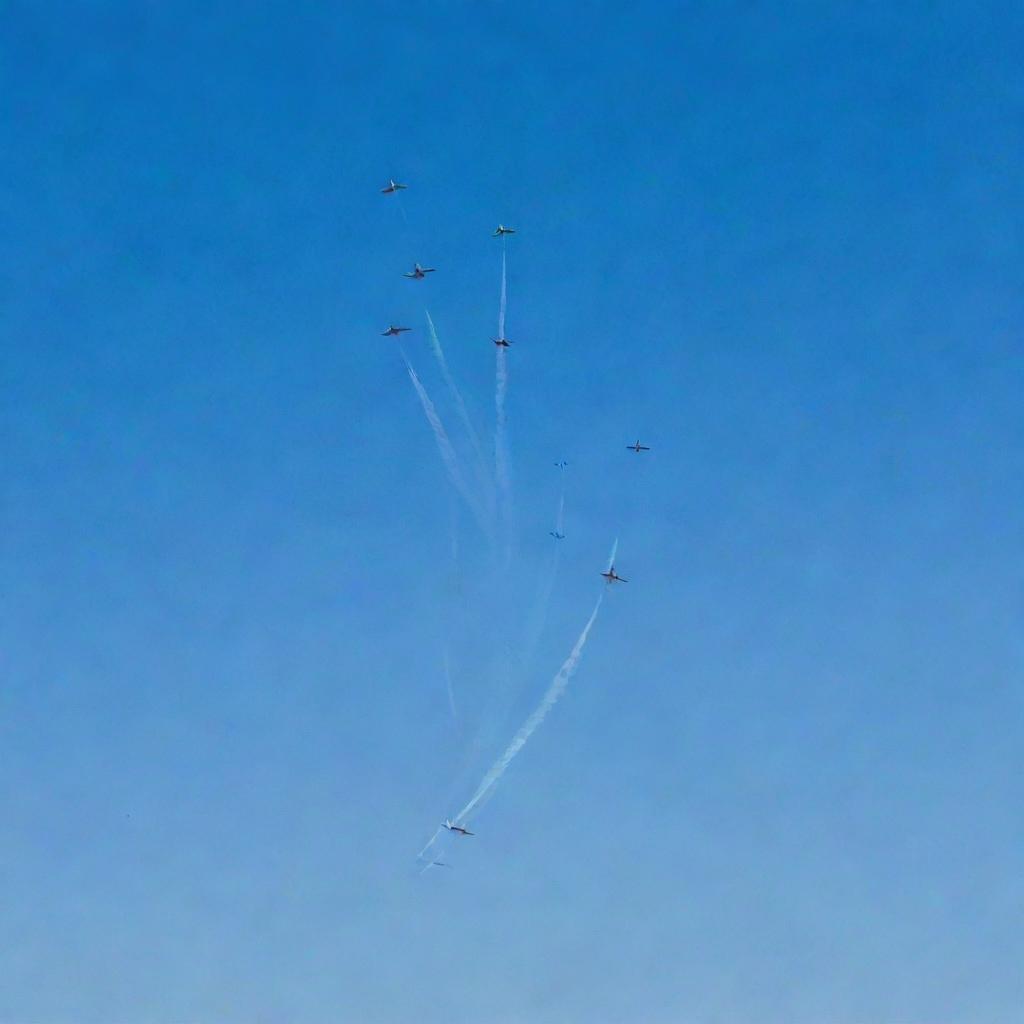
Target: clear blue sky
<point>780,243</point>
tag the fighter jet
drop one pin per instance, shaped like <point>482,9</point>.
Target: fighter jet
<point>393,331</point>
<point>502,342</point>
<point>392,186</point>
<point>562,464</point>
<point>501,230</point>
<point>611,576</point>
<point>419,272</point>
<point>638,447</point>
<point>556,535</point>
<point>452,827</point>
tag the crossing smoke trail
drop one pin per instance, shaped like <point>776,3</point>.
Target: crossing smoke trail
<point>460,405</point>
<point>444,446</point>
<point>527,729</point>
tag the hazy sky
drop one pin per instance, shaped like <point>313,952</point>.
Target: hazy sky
<point>780,243</point>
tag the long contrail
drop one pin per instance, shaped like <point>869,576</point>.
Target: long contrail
<point>460,405</point>
<point>527,729</point>
<point>502,305</point>
<point>500,390</point>
<point>500,445</point>
<point>444,446</point>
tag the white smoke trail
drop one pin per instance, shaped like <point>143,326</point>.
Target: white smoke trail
<point>527,729</point>
<point>502,305</point>
<point>611,557</point>
<point>500,446</point>
<point>460,405</point>
<point>430,843</point>
<point>501,460</point>
<point>444,447</point>
<point>501,386</point>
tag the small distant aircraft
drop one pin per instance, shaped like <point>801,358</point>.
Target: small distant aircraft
<point>502,342</point>
<point>611,576</point>
<point>638,447</point>
<point>452,827</point>
<point>393,331</point>
<point>500,229</point>
<point>392,186</point>
<point>562,464</point>
<point>419,272</point>
<point>439,864</point>
<point>556,535</point>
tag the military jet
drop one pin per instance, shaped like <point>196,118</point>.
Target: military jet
<point>556,535</point>
<point>502,342</point>
<point>611,576</point>
<point>458,829</point>
<point>500,230</point>
<point>392,186</point>
<point>419,272</point>
<point>393,331</point>
<point>638,447</point>
<point>562,464</point>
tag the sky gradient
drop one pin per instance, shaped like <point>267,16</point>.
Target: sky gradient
<point>781,244</point>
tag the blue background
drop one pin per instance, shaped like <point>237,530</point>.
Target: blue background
<point>781,243</point>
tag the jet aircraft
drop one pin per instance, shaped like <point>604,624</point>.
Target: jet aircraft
<point>452,827</point>
<point>392,186</point>
<point>638,447</point>
<point>556,535</point>
<point>393,331</point>
<point>419,272</point>
<point>502,230</point>
<point>502,342</point>
<point>611,576</point>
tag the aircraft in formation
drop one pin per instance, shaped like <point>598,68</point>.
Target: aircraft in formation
<point>458,829</point>
<point>419,272</point>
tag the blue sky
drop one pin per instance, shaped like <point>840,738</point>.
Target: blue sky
<point>780,245</point>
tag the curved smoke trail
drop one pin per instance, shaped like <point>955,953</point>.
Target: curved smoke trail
<point>460,405</point>
<point>527,729</point>
<point>444,447</point>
